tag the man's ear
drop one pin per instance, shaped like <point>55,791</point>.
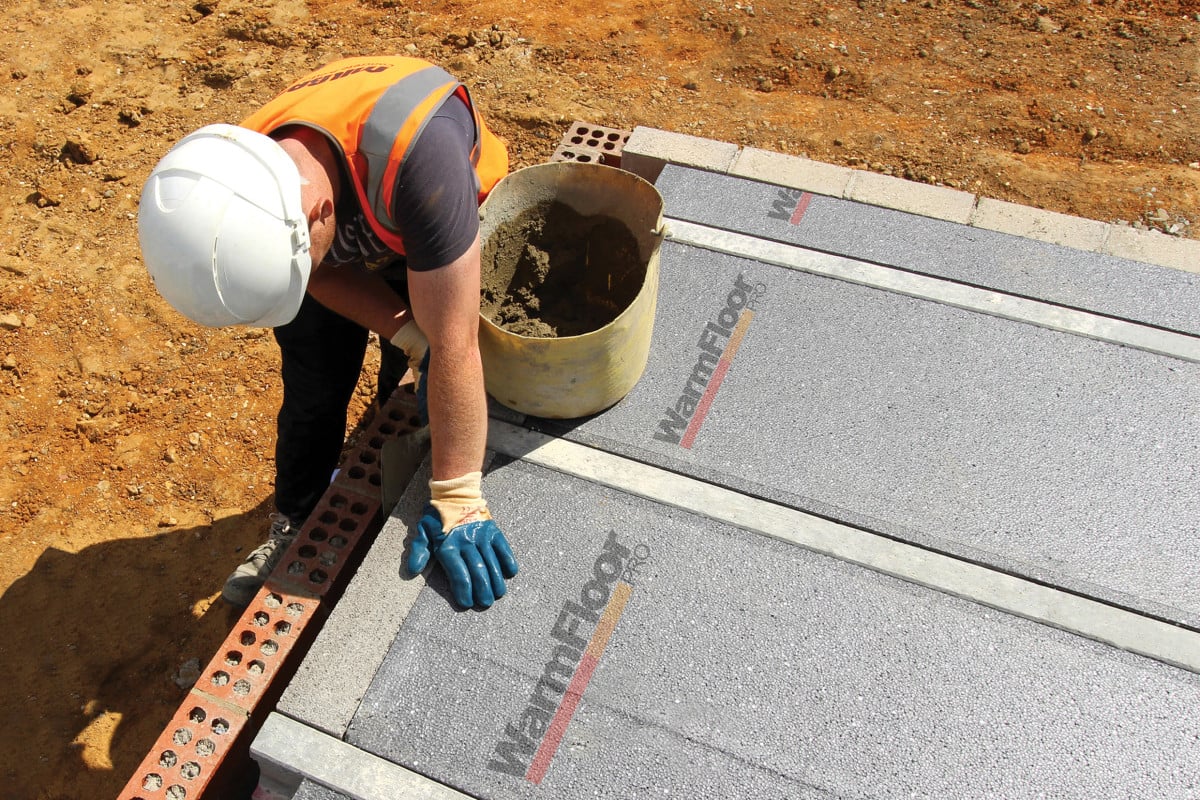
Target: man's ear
<point>320,211</point>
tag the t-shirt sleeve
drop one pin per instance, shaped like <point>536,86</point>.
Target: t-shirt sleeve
<point>435,206</point>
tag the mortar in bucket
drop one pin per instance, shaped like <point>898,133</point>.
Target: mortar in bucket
<point>570,284</point>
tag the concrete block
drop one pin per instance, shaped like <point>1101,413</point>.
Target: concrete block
<point>1036,223</point>
<point>1152,247</point>
<point>938,202</point>
<point>649,149</point>
<point>791,171</point>
<point>288,751</point>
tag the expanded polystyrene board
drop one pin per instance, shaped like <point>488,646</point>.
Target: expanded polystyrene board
<point>309,790</point>
<point>1086,280</point>
<point>712,662</point>
<point>1058,457</point>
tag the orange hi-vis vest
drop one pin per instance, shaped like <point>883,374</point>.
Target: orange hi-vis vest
<point>374,108</point>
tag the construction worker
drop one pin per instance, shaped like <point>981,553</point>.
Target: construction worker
<point>354,189</point>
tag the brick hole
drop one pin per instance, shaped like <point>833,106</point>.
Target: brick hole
<point>609,146</point>
<point>197,715</point>
<point>167,759</point>
<point>576,140</point>
<point>220,678</point>
<point>374,479</point>
<point>612,137</point>
<point>296,568</point>
<point>338,541</point>
<point>581,130</point>
<point>328,517</point>
<point>233,658</point>
<point>348,525</point>
<point>190,771</point>
<point>395,414</point>
<point>270,647</point>
<point>205,748</point>
<point>272,601</point>
<point>593,142</point>
<point>295,609</point>
<point>181,736</point>
<point>220,726</point>
<point>307,551</point>
<point>328,559</point>
<point>358,509</point>
<point>414,421</point>
<point>152,782</point>
<point>596,132</point>
<point>585,159</point>
<point>260,619</point>
<point>318,535</point>
<point>366,456</point>
<point>387,429</point>
<point>283,628</point>
<point>318,576</point>
<point>247,639</point>
<point>376,442</point>
<point>176,792</point>
<point>338,501</point>
<point>241,687</point>
<point>256,667</point>
<point>356,472</point>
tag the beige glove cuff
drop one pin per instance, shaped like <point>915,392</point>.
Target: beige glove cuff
<point>459,500</point>
<point>411,340</point>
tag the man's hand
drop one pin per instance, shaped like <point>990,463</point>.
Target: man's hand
<point>459,531</point>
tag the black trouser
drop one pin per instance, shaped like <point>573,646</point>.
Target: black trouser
<point>322,357</point>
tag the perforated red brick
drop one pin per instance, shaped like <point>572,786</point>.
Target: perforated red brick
<point>360,471</point>
<point>257,647</point>
<point>595,144</point>
<point>321,550</point>
<point>183,762</point>
<point>255,655</point>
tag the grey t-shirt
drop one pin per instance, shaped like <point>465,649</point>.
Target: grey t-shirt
<point>435,205</point>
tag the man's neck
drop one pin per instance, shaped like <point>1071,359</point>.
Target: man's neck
<point>315,159</point>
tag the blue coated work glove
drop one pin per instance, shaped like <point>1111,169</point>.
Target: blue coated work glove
<point>471,548</point>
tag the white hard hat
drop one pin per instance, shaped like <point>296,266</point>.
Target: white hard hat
<point>222,229</point>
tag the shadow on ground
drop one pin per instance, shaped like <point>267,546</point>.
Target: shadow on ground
<point>91,650</point>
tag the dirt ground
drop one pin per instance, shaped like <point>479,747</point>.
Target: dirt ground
<point>136,449</point>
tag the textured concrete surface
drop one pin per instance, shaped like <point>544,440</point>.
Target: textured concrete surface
<point>1090,281</point>
<point>1057,457</point>
<point>741,666</point>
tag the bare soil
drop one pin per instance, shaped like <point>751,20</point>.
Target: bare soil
<point>136,448</point>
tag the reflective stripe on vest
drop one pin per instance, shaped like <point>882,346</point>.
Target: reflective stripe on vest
<point>373,109</point>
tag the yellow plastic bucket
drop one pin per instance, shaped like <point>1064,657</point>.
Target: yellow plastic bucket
<point>565,377</point>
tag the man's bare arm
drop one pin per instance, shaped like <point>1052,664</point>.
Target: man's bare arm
<point>360,296</point>
<point>445,302</point>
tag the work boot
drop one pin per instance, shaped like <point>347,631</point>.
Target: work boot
<point>248,578</point>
